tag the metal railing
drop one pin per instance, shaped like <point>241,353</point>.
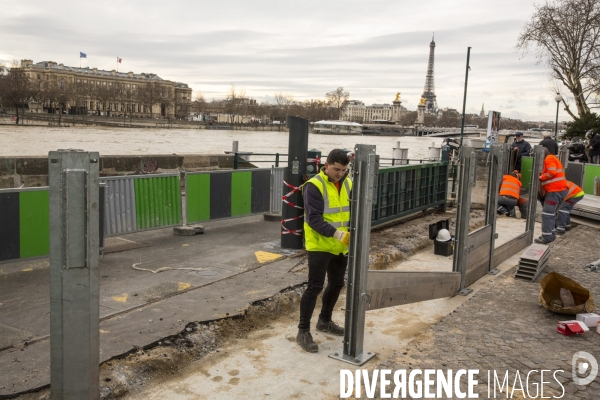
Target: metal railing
<point>404,161</point>
<point>274,158</point>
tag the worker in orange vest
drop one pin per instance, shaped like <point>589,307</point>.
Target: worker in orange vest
<point>554,186</point>
<point>574,195</point>
<point>509,196</point>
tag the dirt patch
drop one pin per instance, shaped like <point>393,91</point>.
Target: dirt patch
<point>397,243</point>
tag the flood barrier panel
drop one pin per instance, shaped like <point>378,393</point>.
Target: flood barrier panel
<point>232,193</point>
<point>24,223</point>
<point>405,189</point>
<point>140,202</point>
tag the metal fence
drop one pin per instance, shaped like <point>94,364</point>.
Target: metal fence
<point>232,193</point>
<point>140,202</point>
<point>406,189</point>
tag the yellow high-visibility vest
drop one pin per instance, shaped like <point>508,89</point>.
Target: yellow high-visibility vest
<point>336,212</point>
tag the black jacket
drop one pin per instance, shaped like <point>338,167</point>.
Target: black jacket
<point>550,144</point>
<point>523,146</point>
<point>595,143</point>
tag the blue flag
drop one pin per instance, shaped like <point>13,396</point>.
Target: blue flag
<point>82,55</point>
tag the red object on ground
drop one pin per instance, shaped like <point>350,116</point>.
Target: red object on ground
<point>569,328</point>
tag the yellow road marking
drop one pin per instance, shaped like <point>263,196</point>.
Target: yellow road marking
<point>28,269</point>
<point>183,285</point>
<point>184,245</point>
<point>263,256</point>
<point>121,299</point>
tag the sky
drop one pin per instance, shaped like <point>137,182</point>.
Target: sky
<point>373,49</point>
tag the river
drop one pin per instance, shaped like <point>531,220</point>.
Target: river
<point>39,140</point>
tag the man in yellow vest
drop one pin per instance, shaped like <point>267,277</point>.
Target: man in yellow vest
<point>326,220</point>
<point>563,221</point>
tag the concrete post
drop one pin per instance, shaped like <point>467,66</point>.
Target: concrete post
<point>364,179</point>
<point>74,302</point>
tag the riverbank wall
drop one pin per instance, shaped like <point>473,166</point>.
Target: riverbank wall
<point>68,121</point>
<point>16,172</point>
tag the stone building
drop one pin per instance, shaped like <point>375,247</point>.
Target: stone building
<point>357,111</point>
<point>76,90</point>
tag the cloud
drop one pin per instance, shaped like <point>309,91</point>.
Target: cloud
<point>373,49</point>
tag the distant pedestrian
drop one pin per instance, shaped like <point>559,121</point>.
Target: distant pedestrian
<point>554,186</point>
<point>522,148</point>
<point>549,143</point>
<point>593,145</point>
<point>574,195</point>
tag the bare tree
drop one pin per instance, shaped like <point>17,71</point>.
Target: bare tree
<point>150,95</point>
<point>15,88</point>
<point>235,103</point>
<point>565,35</point>
<point>337,99</point>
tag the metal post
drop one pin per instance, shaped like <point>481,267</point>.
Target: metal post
<point>234,146</point>
<point>462,125</point>
<point>556,124</point>
<point>467,178</point>
<point>534,185</point>
<point>271,190</point>
<point>277,159</point>
<point>236,161</point>
<point>363,191</point>
<point>74,301</point>
<point>495,177</point>
<point>291,212</point>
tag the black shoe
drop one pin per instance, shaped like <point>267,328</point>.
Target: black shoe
<point>560,232</point>
<point>305,340</point>
<point>330,327</point>
<point>541,240</point>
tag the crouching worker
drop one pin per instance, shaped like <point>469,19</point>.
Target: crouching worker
<point>509,196</point>
<point>326,220</point>
<point>574,195</point>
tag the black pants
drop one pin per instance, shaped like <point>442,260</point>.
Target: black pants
<point>319,264</point>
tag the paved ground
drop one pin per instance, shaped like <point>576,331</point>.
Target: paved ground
<point>503,327</point>
<point>500,326</point>
<point>138,307</point>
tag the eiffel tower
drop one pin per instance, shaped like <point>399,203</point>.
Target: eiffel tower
<point>431,106</point>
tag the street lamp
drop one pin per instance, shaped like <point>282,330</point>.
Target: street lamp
<point>558,99</point>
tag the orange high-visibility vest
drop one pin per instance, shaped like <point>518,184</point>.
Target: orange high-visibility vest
<point>574,191</point>
<point>511,186</point>
<point>553,175</point>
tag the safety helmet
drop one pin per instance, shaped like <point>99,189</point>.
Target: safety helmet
<point>589,133</point>
<point>443,235</point>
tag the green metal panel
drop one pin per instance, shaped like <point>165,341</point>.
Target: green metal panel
<point>591,171</point>
<point>526,166</point>
<point>197,197</point>
<point>241,193</point>
<point>158,202</point>
<point>34,223</point>
<point>406,189</point>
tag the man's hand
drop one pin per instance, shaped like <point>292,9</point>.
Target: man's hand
<point>343,237</point>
